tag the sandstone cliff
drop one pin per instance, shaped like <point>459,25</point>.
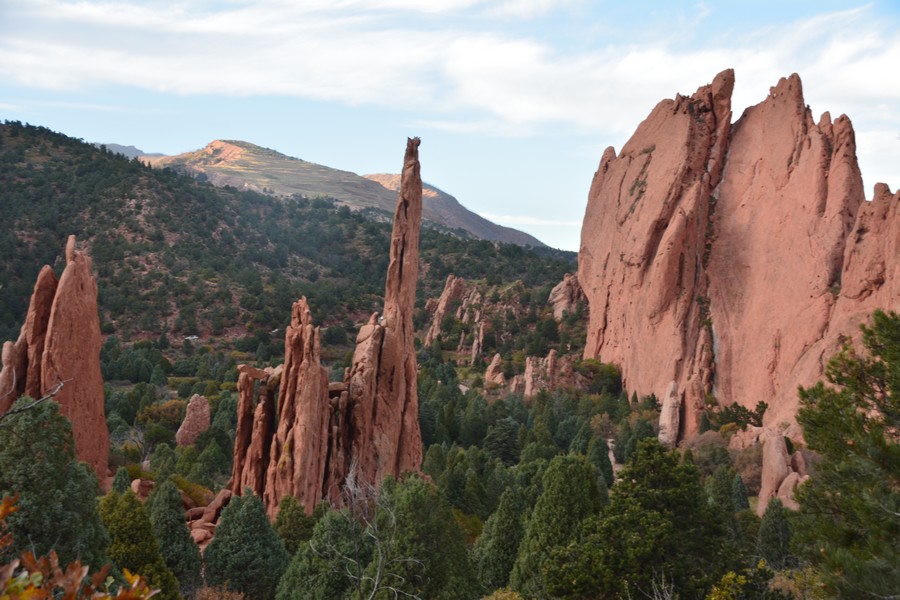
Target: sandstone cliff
<point>733,260</point>
<point>60,343</point>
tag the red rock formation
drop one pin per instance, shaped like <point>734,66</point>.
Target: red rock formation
<point>60,343</point>
<point>453,291</point>
<point>733,265</point>
<point>299,449</point>
<point>493,375</point>
<point>565,296</point>
<point>383,387</point>
<point>369,423</point>
<point>196,421</point>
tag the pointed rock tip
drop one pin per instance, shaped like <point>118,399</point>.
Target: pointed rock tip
<point>70,249</point>
<point>882,192</point>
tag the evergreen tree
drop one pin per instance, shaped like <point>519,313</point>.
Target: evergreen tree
<point>598,455</point>
<point>122,481</point>
<point>774,538</point>
<point>178,549</point>
<point>426,552</point>
<point>495,550</point>
<point>57,495</point>
<point>658,525</point>
<point>293,525</point>
<point>246,555</point>
<point>720,487</point>
<point>739,494</point>
<point>133,545</point>
<point>502,441</point>
<point>853,536</point>
<point>569,496</point>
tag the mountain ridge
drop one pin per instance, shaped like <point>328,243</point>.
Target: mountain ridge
<point>247,166</point>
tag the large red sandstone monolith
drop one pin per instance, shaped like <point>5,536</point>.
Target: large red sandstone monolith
<point>72,355</point>
<point>734,265</point>
<point>383,388</point>
<point>253,434</point>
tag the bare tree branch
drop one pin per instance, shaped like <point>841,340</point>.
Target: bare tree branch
<point>20,409</point>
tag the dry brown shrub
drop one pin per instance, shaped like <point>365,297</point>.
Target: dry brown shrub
<point>217,593</point>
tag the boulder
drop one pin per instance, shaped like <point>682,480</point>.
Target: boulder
<point>196,421</point>
<point>775,467</point>
<point>214,509</point>
<point>669,416</point>
<point>142,488</point>
<point>453,291</point>
<point>493,375</point>
<point>565,296</point>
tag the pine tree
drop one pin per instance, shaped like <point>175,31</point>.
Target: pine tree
<point>122,481</point>
<point>57,495</point>
<point>133,545</point>
<point>739,494</point>
<point>853,536</point>
<point>773,541</point>
<point>495,550</point>
<point>598,455</point>
<point>570,495</point>
<point>246,555</point>
<point>293,525</point>
<point>178,549</point>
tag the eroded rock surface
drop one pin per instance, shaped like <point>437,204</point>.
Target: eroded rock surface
<point>60,344</point>
<point>734,259</point>
<point>196,421</point>
<point>565,295</point>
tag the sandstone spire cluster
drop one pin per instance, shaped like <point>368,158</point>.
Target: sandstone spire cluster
<point>369,423</point>
<point>60,343</point>
<point>733,260</point>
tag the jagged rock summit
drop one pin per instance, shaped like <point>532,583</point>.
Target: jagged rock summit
<point>733,260</point>
<point>60,344</point>
<point>320,434</point>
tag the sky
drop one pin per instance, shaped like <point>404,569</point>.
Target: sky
<point>515,100</point>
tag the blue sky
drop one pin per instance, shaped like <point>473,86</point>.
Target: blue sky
<point>515,100</point>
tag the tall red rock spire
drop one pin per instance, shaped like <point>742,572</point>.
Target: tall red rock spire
<point>60,343</point>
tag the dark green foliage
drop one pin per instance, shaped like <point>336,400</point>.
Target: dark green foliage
<point>740,415</point>
<point>495,550</point>
<point>598,455</point>
<point>658,523</point>
<point>719,487</point>
<point>133,545</point>
<point>569,496</point>
<point>246,555</point>
<point>322,568</point>
<point>502,441</point>
<point>848,525</point>
<point>739,494</point>
<point>122,481</point>
<point>57,495</point>
<point>773,539</point>
<point>178,549</point>
<point>293,525</point>
<point>426,553</point>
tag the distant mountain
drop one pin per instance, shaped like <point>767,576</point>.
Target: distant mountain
<point>445,209</point>
<point>127,151</point>
<point>246,166</point>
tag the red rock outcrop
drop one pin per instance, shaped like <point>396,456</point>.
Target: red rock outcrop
<point>733,260</point>
<point>565,295</point>
<point>493,375</point>
<point>453,291</point>
<point>368,424</point>
<point>60,343</point>
<point>196,421</point>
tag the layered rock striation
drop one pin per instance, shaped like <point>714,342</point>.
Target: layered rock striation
<point>733,260</point>
<point>59,350</point>
<point>309,442</point>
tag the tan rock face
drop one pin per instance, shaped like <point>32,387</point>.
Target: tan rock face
<point>734,259</point>
<point>196,421</point>
<point>60,343</point>
<point>670,416</point>
<point>369,422</point>
<point>493,375</point>
<point>565,296</point>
